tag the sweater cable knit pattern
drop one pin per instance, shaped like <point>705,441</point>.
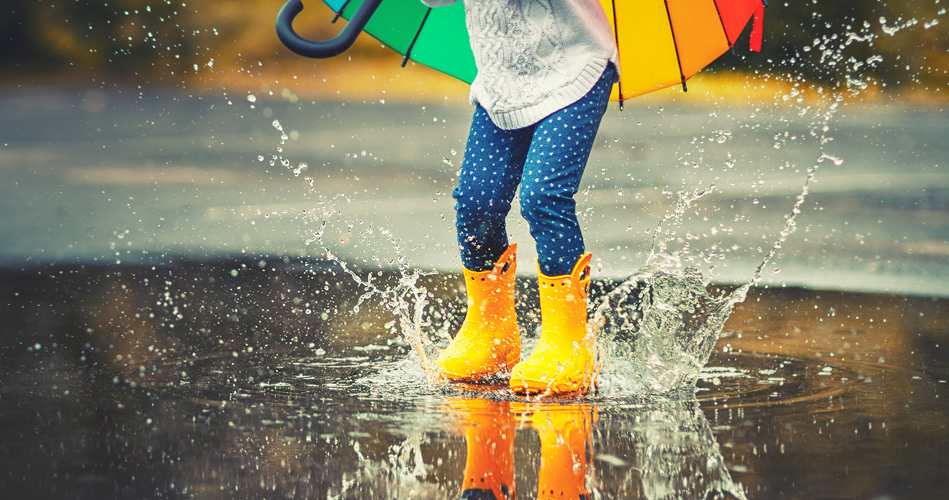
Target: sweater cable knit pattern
<point>535,57</point>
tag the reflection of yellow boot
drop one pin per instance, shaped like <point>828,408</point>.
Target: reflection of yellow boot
<point>489,435</point>
<point>562,361</point>
<point>563,432</point>
<point>488,341</point>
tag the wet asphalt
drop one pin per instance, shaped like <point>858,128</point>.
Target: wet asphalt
<point>139,175</point>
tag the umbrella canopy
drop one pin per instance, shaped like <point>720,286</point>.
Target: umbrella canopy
<point>661,42</point>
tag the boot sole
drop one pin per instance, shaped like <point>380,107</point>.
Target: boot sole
<point>531,387</point>
<point>491,376</point>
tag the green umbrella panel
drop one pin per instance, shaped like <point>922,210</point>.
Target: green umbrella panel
<point>436,38</point>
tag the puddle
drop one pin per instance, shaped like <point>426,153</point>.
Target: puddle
<point>242,393</point>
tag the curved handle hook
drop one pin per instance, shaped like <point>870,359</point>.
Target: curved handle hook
<point>329,48</point>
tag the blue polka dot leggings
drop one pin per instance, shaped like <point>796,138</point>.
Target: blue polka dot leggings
<point>547,160</point>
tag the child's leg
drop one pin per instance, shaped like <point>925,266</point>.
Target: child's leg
<point>490,173</point>
<point>562,361</point>
<point>558,155</point>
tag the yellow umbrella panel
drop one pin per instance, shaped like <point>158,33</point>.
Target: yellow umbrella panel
<point>664,42</point>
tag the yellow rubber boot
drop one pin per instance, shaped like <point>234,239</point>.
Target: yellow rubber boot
<point>489,438</point>
<point>564,433</point>
<point>562,361</point>
<point>488,341</point>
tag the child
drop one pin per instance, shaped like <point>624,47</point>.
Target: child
<point>545,71</point>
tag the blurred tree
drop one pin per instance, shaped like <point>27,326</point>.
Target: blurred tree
<point>118,36</point>
<point>822,40</point>
<point>16,44</point>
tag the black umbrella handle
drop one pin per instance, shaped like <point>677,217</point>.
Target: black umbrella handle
<point>328,48</point>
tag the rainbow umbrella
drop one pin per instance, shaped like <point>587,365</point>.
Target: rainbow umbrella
<point>661,42</point>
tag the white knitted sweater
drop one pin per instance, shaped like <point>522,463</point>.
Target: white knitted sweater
<point>534,57</point>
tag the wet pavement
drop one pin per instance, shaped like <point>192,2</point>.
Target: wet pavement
<point>128,174</point>
<point>243,379</point>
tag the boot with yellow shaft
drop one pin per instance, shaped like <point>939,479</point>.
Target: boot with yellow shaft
<point>488,341</point>
<point>562,362</point>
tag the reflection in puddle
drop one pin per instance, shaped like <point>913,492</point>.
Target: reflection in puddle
<point>664,450</point>
<point>488,428</point>
<point>650,451</point>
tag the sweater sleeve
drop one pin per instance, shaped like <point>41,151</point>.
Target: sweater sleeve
<point>438,3</point>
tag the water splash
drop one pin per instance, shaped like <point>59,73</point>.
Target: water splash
<point>657,328</point>
<point>405,299</point>
<point>656,331</point>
